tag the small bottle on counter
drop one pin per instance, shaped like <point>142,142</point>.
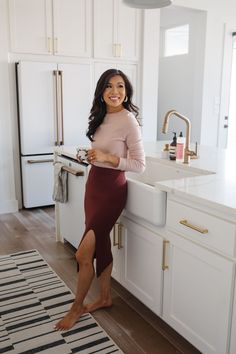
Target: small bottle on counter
<point>180,146</point>
<point>165,152</point>
<point>172,151</point>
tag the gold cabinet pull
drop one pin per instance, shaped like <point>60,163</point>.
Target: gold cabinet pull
<point>55,45</point>
<point>117,231</point>
<point>194,227</point>
<point>114,235</point>
<point>164,265</point>
<point>120,226</point>
<point>49,41</point>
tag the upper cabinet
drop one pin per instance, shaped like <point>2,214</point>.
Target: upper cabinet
<point>116,30</point>
<point>59,27</point>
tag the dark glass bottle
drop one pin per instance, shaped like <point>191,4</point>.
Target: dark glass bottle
<point>172,151</point>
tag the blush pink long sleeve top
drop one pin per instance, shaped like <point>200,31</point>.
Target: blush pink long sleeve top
<point>120,135</point>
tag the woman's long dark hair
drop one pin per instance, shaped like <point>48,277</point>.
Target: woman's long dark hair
<point>98,110</point>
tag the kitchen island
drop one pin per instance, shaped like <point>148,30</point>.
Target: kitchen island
<point>184,269</point>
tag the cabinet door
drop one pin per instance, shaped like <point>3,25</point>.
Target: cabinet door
<point>142,268</point>
<point>31,26</point>
<point>71,213</point>
<point>77,101</point>
<point>128,31</point>
<point>104,28</point>
<point>197,295</point>
<point>117,253</point>
<point>72,27</point>
<point>233,327</point>
<point>116,30</point>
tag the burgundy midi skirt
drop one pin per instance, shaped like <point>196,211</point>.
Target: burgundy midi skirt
<point>105,198</point>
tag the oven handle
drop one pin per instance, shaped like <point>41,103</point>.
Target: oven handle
<point>72,171</point>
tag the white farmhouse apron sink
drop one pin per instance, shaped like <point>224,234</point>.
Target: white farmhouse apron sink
<point>144,199</point>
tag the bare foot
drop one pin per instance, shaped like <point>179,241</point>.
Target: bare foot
<point>98,304</point>
<point>70,318</point>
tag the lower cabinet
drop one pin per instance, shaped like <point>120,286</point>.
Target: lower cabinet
<point>138,262</point>
<point>233,328</point>
<point>197,295</point>
<point>187,285</point>
<point>70,215</point>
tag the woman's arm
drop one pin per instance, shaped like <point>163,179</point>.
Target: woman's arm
<point>135,161</point>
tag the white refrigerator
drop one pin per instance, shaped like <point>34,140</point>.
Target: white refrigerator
<point>54,101</point>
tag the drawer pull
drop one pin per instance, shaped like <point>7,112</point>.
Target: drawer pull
<point>194,227</point>
<point>39,161</point>
<point>72,171</point>
<point>164,265</point>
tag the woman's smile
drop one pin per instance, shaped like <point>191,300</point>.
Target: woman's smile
<point>114,94</point>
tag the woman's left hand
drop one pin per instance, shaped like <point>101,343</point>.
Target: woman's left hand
<point>95,155</point>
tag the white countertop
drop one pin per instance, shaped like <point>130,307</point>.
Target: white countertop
<point>217,189</point>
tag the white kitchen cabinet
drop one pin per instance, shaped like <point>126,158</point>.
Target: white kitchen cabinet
<point>116,30</point>
<point>198,284</point>
<point>59,27</point>
<point>233,327</point>
<point>31,26</point>
<point>142,273</point>
<point>70,215</point>
<point>138,262</point>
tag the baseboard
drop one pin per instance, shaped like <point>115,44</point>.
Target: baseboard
<point>8,206</point>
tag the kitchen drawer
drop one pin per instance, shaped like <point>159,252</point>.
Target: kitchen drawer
<point>201,227</point>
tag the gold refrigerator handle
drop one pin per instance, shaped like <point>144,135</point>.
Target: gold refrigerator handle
<point>55,74</point>
<point>61,106</point>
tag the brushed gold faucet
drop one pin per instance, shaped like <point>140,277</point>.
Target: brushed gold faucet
<point>187,151</point>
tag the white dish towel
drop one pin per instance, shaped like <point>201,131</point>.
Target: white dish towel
<point>60,189</point>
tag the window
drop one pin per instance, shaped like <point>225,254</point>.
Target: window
<point>176,41</point>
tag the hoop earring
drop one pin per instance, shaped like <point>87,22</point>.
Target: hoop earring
<point>126,99</point>
<point>102,100</point>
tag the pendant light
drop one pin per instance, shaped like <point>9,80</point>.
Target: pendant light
<point>147,4</point>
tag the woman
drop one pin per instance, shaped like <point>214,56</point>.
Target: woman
<point>116,147</point>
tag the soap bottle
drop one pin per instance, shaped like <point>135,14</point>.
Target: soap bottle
<point>180,147</point>
<point>172,150</point>
<point>165,151</point>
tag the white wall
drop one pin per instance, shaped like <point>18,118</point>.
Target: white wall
<point>8,201</point>
<point>181,76</point>
<point>149,75</point>
<point>218,14</point>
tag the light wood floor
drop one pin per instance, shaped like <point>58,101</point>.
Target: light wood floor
<point>131,325</point>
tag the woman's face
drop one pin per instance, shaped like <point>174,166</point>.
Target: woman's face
<point>114,94</point>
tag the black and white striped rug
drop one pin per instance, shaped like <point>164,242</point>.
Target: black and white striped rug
<point>32,299</point>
